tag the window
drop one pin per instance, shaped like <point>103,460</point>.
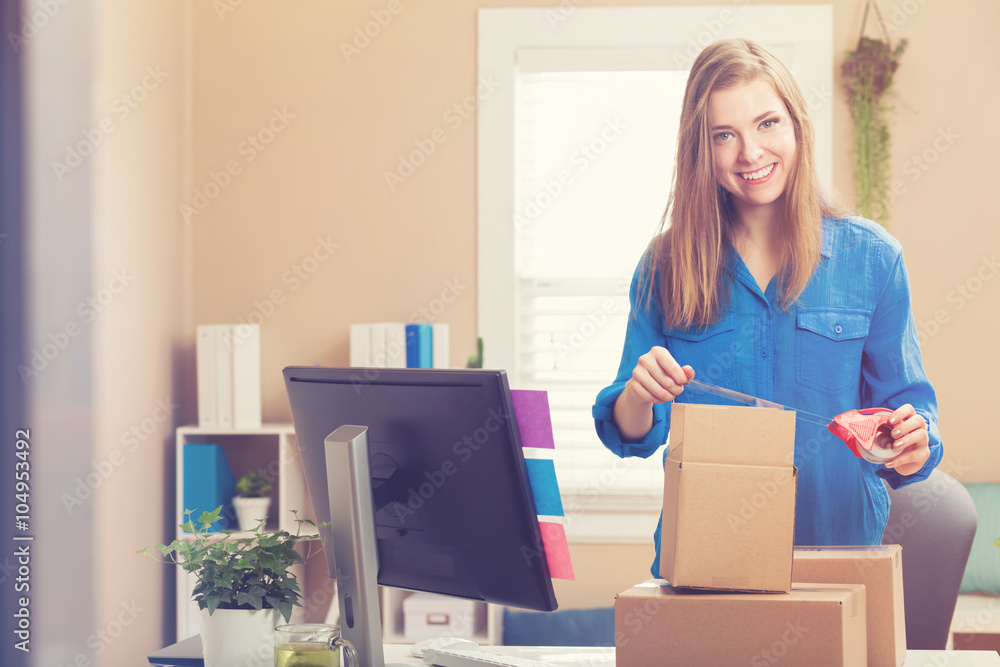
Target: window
<point>592,162</point>
<point>575,158</point>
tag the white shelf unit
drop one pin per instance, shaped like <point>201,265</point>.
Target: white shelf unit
<point>488,625</point>
<point>246,449</point>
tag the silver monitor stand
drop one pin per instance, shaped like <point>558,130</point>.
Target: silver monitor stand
<point>352,527</point>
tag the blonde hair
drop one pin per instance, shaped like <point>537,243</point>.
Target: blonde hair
<point>684,264</point>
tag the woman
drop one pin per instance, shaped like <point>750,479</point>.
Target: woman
<point>758,283</point>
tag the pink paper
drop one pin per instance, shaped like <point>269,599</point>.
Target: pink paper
<point>531,410</point>
<point>556,550</point>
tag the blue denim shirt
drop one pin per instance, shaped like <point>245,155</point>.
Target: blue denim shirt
<point>848,342</point>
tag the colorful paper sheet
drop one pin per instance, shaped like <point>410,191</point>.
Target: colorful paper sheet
<point>556,550</point>
<point>534,422</point>
<point>544,487</point>
<point>531,409</point>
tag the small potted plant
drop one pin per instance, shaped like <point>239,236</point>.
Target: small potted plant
<point>244,585</point>
<point>867,77</point>
<point>250,502</point>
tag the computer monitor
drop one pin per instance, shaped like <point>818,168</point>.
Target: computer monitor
<point>450,503</point>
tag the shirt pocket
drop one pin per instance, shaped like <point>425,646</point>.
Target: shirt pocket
<point>828,346</point>
<point>712,352</point>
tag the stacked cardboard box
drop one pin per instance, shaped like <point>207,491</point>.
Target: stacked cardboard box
<point>728,492</point>
<point>727,553</point>
<point>880,570</point>
<point>813,624</point>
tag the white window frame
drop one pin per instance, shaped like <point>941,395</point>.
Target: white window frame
<point>802,35</point>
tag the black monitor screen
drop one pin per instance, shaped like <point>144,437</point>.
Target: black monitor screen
<point>453,508</point>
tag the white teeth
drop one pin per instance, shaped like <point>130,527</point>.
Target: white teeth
<point>760,173</point>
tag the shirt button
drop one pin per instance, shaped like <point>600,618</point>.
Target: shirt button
<point>838,329</point>
<point>763,353</point>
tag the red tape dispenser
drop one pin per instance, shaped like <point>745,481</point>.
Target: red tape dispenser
<point>867,432</point>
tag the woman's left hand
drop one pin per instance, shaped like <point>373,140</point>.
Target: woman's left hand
<point>910,438</point>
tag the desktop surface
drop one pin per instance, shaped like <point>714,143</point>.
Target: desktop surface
<point>187,653</point>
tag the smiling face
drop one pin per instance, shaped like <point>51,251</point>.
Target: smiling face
<point>753,145</point>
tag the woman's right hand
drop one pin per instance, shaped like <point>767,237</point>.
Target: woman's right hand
<point>657,377</point>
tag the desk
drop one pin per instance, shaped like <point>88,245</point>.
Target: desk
<point>400,654</point>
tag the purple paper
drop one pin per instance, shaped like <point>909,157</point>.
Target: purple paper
<point>531,410</point>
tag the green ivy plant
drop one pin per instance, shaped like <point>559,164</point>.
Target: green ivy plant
<point>867,77</point>
<point>251,572</point>
<point>253,485</point>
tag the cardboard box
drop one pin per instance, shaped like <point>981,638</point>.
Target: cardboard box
<point>426,615</point>
<point>729,498</point>
<point>880,569</point>
<point>814,624</point>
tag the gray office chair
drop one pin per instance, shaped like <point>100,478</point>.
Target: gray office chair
<point>934,521</point>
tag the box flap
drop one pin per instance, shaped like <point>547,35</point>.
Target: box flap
<point>728,434</point>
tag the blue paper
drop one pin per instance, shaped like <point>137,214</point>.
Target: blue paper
<point>544,487</point>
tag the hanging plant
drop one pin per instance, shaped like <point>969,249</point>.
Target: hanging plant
<point>867,77</point>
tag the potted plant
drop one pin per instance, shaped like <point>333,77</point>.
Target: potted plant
<point>244,586</point>
<point>250,502</point>
<point>867,77</point>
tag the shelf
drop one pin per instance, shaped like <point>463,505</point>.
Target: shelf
<point>270,449</point>
<point>263,429</point>
<point>237,534</point>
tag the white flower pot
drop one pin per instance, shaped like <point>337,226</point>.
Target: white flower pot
<point>249,511</point>
<point>238,637</point>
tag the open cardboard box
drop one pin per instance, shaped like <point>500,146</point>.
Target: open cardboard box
<point>880,569</point>
<point>729,498</point>
<point>813,624</point>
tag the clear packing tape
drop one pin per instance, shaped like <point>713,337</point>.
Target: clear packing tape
<point>867,432</point>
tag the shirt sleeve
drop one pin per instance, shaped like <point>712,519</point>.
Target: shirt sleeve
<point>893,369</point>
<point>641,335</point>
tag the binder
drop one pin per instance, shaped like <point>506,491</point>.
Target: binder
<point>224,374</point>
<point>378,349</point>
<point>205,365</point>
<point>395,344</point>
<point>412,346</point>
<point>440,345</point>
<point>425,346</point>
<point>208,483</point>
<point>246,375</point>
<point>361,345</point>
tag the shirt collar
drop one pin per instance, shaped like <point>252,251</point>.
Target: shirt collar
<point>827,249</point>
<point>735,266</point>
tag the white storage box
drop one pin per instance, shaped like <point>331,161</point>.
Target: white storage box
<point>426,615</point>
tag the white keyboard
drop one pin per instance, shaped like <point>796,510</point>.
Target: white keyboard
<point>523,656</point>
